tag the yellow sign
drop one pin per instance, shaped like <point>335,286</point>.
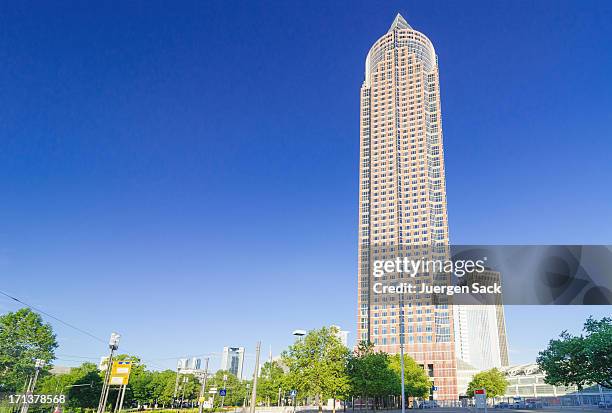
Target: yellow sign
<point>120,373</point>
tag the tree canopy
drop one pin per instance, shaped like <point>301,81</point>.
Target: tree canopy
<point>235,389</point>
<point>580,360</point>
<point>416,381</point>
<point>492,380</point>
<point>23,339</point>
<point>317,365</point>
<point>271,379</point>
<point>371,374</point>
<point>82,386</point>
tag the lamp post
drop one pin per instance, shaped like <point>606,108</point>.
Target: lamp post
<point>246,396</point>
<point>298,334</point>
<point>185,381</point>
<point>113,344</point>
<point>254,391</point>
<point>203,390</point>
<point>401,312</point>
<point>225,389</point>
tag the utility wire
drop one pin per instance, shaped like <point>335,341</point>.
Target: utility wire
<point>53,317</point>
<point>148,361</point>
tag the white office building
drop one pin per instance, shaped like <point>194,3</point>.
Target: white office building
<point>480,331</point>
<point>232,360</point>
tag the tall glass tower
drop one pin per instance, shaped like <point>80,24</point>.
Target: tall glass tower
<point>402,201</point>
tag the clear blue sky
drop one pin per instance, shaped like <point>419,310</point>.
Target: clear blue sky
<point>186,174</point>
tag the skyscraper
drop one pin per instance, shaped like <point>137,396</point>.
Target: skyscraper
<point>480,330</point>
<point>402,201</point>
<point>232,360</point>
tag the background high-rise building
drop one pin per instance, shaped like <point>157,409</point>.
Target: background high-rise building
<point>402,201</point>
<point>342,335</point>
<point>480,330</point>
<point>195,363</point>
<point>232,360</point>
<point>183,364</point>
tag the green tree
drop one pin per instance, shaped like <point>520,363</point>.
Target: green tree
<point>317,365</point>
<point>137,390</point>
<point>416,381</point>
<point>492,380</point>
<point>23,338</point>
<point>580,360</point>
<point>81,386</point>
<point>235,389</point>
<point>271,379</point>
<point>162,387</point>
<point>371,374</point>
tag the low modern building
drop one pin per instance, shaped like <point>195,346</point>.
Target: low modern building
<point>57,370</point>
<point>465,373</point>
<point>527,381</point>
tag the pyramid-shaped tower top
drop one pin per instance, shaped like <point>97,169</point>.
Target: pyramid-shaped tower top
<point>399,23</point>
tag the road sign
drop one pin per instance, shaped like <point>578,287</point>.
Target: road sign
<point>434,388</point>
<point>481,398</point>
<point>120,373</point>
<point>222,392</point>
<point>293,393</point>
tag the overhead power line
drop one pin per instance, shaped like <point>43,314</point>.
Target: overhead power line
<point>53,317</point>
<point>80,330</point>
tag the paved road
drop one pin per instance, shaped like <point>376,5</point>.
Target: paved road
<point>492,410</point>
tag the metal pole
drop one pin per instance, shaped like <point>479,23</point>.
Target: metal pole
<point>113,344</point>
<point>246,395</point>
<point>26,391</point>
<point>120,397</point>
<point>105,383</point>
<point>116,409</point>
<point>26,403</point>
<point>106,393</point>
<point>203,390</point>
<point>255,374</point>
<point>224,388</point>
<point>185,380</point>
<point>176,383</point>
<point>403,398</point>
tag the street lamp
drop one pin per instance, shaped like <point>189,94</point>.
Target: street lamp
<point>401,314</point>
<point>246,396</point>
<point>113,344</point>
<point>225,390</point>
<point>203,389</point>
<point>297,333</point>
